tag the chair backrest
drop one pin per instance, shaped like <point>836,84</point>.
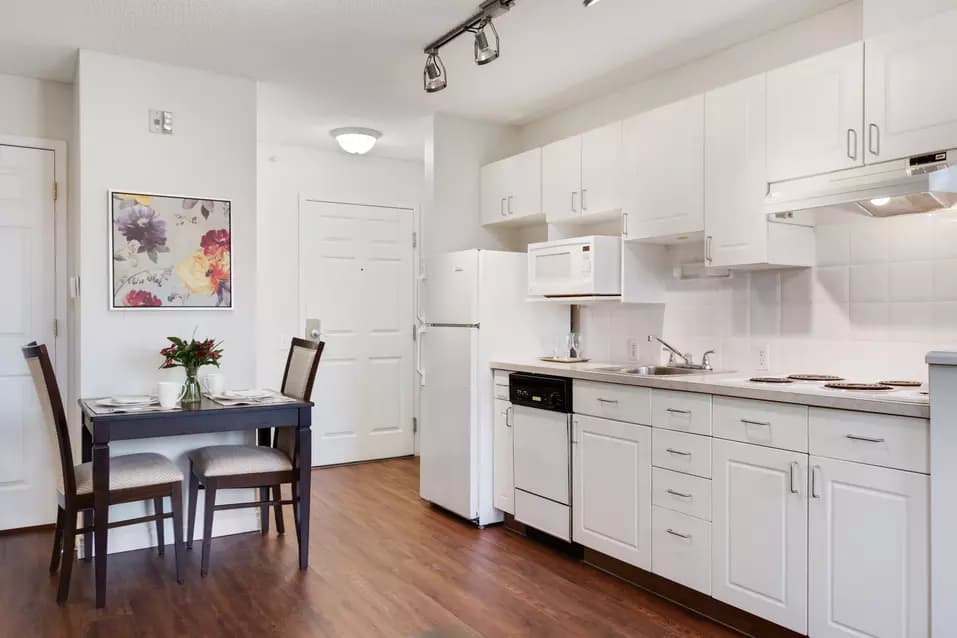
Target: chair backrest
<point>54,418</point>
<point>297,381</point>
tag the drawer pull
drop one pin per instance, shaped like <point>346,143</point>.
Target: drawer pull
<point>611,401</point>
<point>687,537</point>
<point>678,452</point>
<point>680,494</point>
<point>750,422</point>
<point>677,411</point>
<point>866,439</point>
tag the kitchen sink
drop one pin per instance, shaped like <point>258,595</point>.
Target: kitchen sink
<point>649,371</point>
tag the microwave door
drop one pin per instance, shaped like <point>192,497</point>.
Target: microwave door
<point>559,271</point>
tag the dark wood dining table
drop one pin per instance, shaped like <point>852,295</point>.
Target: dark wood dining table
<point>101,429</point>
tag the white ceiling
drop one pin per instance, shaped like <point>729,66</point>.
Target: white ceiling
<point>335,63</point>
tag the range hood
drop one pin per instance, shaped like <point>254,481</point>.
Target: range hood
<point>917,184</point>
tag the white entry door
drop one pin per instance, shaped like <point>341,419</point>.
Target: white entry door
<point>357,279</point>
<point>28,456</point>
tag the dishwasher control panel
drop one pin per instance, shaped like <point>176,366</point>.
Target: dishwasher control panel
<point>540,391</point>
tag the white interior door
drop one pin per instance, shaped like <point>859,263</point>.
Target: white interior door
<point>356,277</point>
<point>28,456</point>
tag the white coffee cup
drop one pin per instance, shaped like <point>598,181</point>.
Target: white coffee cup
<point>169,393</point>
<point>214,383</point>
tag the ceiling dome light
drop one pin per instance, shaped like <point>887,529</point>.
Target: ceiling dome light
<point>433,76</point>
<point>356,140</point>
<point>485,52</point>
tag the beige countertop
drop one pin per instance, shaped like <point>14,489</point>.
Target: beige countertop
<point>899,402</point>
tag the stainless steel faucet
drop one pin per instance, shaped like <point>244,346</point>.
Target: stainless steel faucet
<point>686,358</point>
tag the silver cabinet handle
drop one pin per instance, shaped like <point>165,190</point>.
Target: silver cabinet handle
<point>508,417</point>
<point>624,224</point>
<point>501,207</point>
<point>750,422</point>
<point>678,494</point>
<point>584,205</point>
<point>574,427</point>
<point>814,472</point>
<point>574,193</point>
<point>707,249</point>
<point>677,411</point>
<point>510,211</point>
<point>874,139</point>
<point>611,401</point>
<point>852,146</point>
<point>866,439</point>
<point>687,537</point>
<point>678,452</point>
<point>793,469</point>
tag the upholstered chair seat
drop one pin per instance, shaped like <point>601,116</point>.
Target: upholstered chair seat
<point>130,470</point>
<point>228,460</point>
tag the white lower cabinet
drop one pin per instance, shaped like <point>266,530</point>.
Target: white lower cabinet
<point>681,549</point>
<point>611,500</point>
<point>503,481</point>
<point>869,554</point>
<point>759,533</point>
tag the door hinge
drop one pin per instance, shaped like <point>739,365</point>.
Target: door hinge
<point>415,239</point>
<point>56,328</point>
<point>415,425</point>
<point>56,191</point>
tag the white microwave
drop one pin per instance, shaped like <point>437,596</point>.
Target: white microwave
<point>576,267</point>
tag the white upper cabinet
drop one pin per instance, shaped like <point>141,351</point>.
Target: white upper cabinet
<point>663,173</point>
<point>737,232</point>
<point>759,531</point>
<point>562,179</point>
<point>512,189</point>
<point>580,175</point>
<point>611,473</point>
<point>814,121</point>
<point>869,555</point>
<point>601,167</point>
<point>911,99</point>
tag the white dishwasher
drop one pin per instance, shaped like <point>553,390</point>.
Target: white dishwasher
<point>541,437</point>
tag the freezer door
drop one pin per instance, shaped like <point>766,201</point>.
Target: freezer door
<point>448,445</point>
<point>452,288</point>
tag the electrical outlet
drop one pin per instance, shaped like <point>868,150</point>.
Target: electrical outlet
<point>161,122</point>
<point>634,350</point>
<point>762,357</point>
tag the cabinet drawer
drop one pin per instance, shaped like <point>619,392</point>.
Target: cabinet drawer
<point>682,411</point>
<point>681,549</point>
<point>779,425</point>
<point>501,384</point>
<point>682,493</point>
<point>877,439</point>
<point>688,453</point>
<point>611,401</point>
<point>501,377</point>
<point>501,392</point>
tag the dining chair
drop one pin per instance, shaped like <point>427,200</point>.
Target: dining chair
<point>133,477</point>
<point>266,467</point>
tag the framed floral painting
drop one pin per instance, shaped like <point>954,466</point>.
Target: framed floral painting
<point>170,252</point>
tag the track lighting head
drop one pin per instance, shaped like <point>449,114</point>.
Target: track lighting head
<point>589,3</point>
<point>484,51</point>
<point>434,76</point>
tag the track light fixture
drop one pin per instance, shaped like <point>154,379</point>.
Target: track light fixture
<point>434,77</point>
<point>589,3</point>
<point>484,51</point>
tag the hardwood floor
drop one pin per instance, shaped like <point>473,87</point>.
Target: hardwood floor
<point>382,563</point>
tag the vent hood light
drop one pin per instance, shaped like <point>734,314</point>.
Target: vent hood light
<point>918,184</point>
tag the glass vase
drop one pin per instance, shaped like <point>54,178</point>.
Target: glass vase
<point>194,393</point>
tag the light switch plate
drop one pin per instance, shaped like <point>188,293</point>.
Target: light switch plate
<point>161,122</point>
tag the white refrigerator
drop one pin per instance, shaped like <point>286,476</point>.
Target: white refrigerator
<point>476,311</point>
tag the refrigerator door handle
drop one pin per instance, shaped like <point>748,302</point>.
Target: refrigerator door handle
<point>419,368</point>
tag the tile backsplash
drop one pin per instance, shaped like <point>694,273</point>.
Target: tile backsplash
<point>883,293</point>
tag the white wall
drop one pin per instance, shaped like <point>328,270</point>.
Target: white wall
<point>828,30</point>
<point>212,153</point>
<point>284,173</point>
<point>36,108</point>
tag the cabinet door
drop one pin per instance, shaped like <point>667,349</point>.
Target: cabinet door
<point>759,532</point>
<point>493,193</point>
<point>503,483</point>
<point>523,184</point>
<point>611,501</point>
<point>663,177</point>
<point>814,114</point>
<point>735,182</point>
<point>601,168</point>
<point>562,178</point>
<point>910,103</point>
<point>869,557</point>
